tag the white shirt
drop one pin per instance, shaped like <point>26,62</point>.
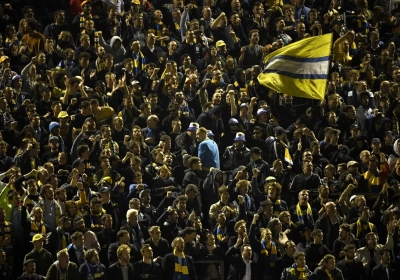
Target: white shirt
<point>247,276</point>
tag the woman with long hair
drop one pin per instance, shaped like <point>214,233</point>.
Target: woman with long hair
<point>163,183</point>
<point>327,269</point>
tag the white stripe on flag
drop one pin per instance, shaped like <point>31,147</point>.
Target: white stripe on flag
<point>305,68</point>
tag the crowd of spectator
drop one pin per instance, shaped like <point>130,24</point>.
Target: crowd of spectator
<point>137,142</point>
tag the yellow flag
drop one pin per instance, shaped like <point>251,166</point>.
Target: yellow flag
<point>299,69</point>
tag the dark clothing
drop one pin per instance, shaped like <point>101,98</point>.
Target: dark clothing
<point>168,266</point>
<point>237,270</point>
<point>152,270</point>
<point>43,260</point>
<point>352,270</point>
<point>115,271</point>
<point>382,273</point>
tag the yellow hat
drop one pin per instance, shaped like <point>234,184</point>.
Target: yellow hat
<point>3,58</point>
<point>86,1</point>
<point>220,43</point>
<point>107,179</point>
<point>62,115</point>
<point>37,237</point>
<point>136,2</point>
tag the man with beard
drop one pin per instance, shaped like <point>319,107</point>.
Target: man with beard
<point>90,238</point>
<point>178,258</point>
<point>345,239</point>
<point>322,199</point>
<point>30,271</point>
<point>175,114</point>
<point>279,148</point>
<point>186,141</point>
<point>251,54</point>
<point>192,175</point>
<point>369,255</point>
<point>351,268</point>
<point>122,269</point>
<point>58,239</point>
<point>237,154</point>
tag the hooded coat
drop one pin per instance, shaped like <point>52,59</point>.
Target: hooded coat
<point>119,54</point>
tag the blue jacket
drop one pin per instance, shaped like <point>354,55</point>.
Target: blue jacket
<point>209,153</point>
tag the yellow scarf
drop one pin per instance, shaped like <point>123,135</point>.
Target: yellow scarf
<point>278,203</point>
<point>288,158</point>
<point>299,213</point>
<point>35,229</point>
<point>302,271</point>
<point>360,227</point>
<point>191,43</point>
<point>329,275</point>
<point>63,242</point>
<point>373,182</point>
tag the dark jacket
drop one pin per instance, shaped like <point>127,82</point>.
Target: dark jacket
<point>54,241</point>
<point>379,273</point>
<point>237,270</point>
<point>43,260</point>
<point>112,253</point>
<point>168,266</point>
<point>352,271</point>
<point>322,275</point>
<point>115,272</point>
<point>54,274</point>
<point>300,183</point>
<point>153,271</point>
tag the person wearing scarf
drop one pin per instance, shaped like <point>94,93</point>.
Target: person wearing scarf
<point>327,269</point>
<point>362,227</point>
<point>85,15</point>
<point>373,179</point>
<point>93,216</point>
<point>176,265</point>
<point>133,227</point>
<point>299,270</point>
<point>268,247</point>
<point>303,210</point>
<point>93,269</point>
<point>272,190</point>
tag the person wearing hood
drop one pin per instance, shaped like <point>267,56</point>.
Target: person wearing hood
<point>226,139</point>
<point>345,238</point>
<point>211,120</point>
<point>279,149</point>
<point>354,132</point>
<point>213,181</point>
<point>237,154</point>
<point>63,268</point>
<point>360,144</point>
<point>115,48</point>
<point>395,155</point>
<point>192,174</point>
<point>208,150</point>
<point>387,145</point>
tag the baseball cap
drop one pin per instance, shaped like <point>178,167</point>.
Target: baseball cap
<point>28,261</point>
<point>389,133</point>
<point>104,190</point>
<point>63,115</point>
<point>37,237</point>
<point>77,162</point>
<point>244,105</point>
<point>270,179</point>
<point>193,126</point>
<point>136,2</point>
<point>261,111</point>
<point>279,130</point>
<point>90,119</point>
<point>78,219</point>
<point>16,77</point>
<point>352,197</point>
<point>210,134</point>
<point>375,141</point>
<point>255,150</point>
<point>143,192</point>
<point>4,58</point>
<point>352,163</point>
<point>54,138</point>
<point>266,202</point>
<point>52,125</point>
<point>233,121</point>
<point>220,43</point>
<point>240,137</point>
<point>86,2</point>
<point>354,126</point>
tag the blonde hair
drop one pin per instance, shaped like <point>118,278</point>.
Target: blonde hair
<point>122,248</point>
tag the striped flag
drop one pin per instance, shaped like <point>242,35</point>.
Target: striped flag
<point>299,69</point>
